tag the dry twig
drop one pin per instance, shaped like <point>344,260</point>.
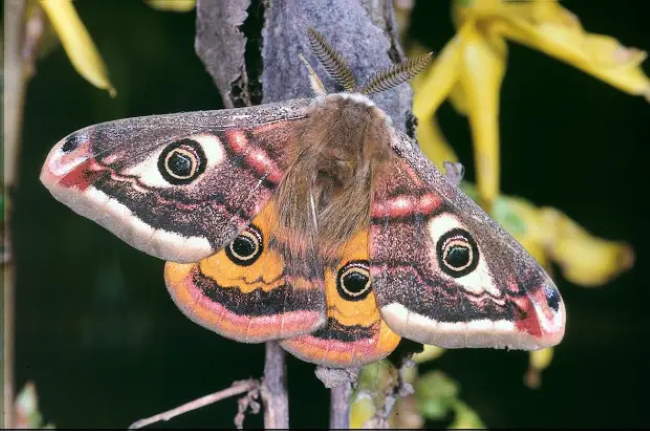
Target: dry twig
<point>249,386</point>
<point>340,382</point>
<point>274,388</point>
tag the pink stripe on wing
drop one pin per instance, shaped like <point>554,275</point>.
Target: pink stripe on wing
<point>254,156</point>
<point>406,205</point>
<point>218,318</point>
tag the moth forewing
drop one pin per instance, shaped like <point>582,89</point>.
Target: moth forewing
<point>117,174</point>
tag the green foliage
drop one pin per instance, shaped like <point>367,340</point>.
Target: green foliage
<point>27,412</point>
<point>438,397</point>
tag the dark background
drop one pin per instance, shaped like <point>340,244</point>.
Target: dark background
<point>100,337</point>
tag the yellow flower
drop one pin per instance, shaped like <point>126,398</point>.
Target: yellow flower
<point>584,259</point>
<point>428,354</point>
<point>470,68</point>
<point>172,5</point>
<point>550,236</point>
<point>538,360</point>
<point>77,43</point>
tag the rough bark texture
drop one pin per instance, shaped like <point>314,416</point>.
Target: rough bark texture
<point>221,45</point>
<point>362,31</point>
<point>274,388</point>
<point>340,383</point>
<point>239,60</point>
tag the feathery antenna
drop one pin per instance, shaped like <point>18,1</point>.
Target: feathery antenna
<point>316,84</point>
<point>331,60</point>
<point>396,74</point>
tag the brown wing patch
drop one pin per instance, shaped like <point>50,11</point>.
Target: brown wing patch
<point>354,334</point>
<point>242,291</point>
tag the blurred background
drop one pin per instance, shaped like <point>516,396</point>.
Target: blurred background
<point>100,338</point>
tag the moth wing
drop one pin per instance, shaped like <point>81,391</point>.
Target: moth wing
<point>244,292</point>
<point>179,186</point>
<point>445,274</point>
<point>354,334</point>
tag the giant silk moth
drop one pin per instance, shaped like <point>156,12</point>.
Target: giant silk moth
<point>303,222</point>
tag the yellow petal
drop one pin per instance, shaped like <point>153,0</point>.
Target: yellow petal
<point>458,99</point>
<point>172,5</point>
<point>362,409</point>
<point>77,43</point>
<point>558,33</point>
<point>433,86</point>
<point>584,259</point>
<point>538,361</point>
<point>548,234</point>
<point>465,417</point>
<point>430,89</point>
<point>471,10</point>
<point>433,143</point>
<point>482,67</point>
<point>429,353</point>
<point>523,221</point>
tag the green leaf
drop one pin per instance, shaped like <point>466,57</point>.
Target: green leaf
<point>465,417</point>
<point>376,377</point>
<point>507,217</point>
<point>503,210</point>
<point>362,409</point>
<point>26,410</point>
<point>436,395</point>
<point>464,3</point>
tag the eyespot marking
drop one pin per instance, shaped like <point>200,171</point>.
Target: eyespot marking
<point>457,253</point>
<point>353,280</point>
<point>247,247</point>
<point>182,162</point>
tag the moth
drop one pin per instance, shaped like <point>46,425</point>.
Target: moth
<point>304,222</point>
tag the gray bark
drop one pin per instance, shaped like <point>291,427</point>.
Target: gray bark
<point>221,45</point>
<point>228,43</point>
<point>274,388</point>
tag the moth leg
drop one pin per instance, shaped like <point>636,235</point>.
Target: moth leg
<point>454,172</point>
<point>316,84</point>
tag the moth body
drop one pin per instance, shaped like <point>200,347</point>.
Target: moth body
<point>326,194</point>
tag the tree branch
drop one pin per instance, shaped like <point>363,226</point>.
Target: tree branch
<point>220,44</point>
<point>401,389</point>
<point>340,406</point>
<point>274,388</point>
<point>23,34</point>
<point>362,30</point>
<point>250,386</point>
<point>340,382</point>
